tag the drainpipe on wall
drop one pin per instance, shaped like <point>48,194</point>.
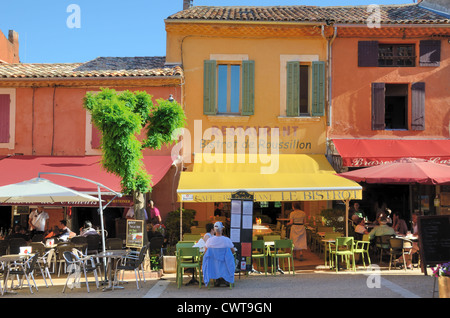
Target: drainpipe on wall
<point>329,62</point>
<point>330,41</point>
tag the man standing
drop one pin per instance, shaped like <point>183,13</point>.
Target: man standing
<point>38,221</point>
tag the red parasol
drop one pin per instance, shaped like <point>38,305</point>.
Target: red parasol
<point>403,171</point>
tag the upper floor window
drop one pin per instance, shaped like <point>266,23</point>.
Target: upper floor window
<point>305,93</point>
<point>373,53</point>
<point>390,106</point>
<point>228,87</point>
<point>7,118</point>
<point>396,55</point>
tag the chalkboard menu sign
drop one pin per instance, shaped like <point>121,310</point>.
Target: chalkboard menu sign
<point>135,233</point>
<point>434,240</point>
<point>241,228</point>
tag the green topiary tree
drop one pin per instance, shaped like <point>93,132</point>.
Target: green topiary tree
<point>121,117</point>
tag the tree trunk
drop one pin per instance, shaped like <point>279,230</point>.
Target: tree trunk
<point>139,211</point>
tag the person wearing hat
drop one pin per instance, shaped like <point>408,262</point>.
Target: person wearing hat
<point>382,229</point>
<point>219,241</point>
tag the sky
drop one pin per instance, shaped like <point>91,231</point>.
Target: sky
<point>70,31</point>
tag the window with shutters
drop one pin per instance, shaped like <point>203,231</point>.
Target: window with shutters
<point>373,53</point>
<point>7,118</point>
<point>228,88</point>
<point>396,55</point>
<point>305,89</point>
<point>390,106</point>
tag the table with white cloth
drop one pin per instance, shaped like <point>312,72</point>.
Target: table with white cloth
<point>112,256</point>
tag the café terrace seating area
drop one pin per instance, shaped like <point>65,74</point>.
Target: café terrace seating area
<point>272,254</point>
<point>79,262</point>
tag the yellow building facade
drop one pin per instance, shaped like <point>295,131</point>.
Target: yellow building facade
<point>258,88</point>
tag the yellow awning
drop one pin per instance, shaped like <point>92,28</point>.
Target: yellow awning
<point>289,177</point>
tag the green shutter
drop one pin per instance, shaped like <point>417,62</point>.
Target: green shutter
<point>318,88</point>
<point>209,87</point>
<point>292,89</point>
<point>248,88</point>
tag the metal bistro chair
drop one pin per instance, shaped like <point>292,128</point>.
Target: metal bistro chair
<point>382,244</point>
<point>129,263</point>
<point>15,244</point>
<point>399,247</point>
<point>75,263</point>
<point>24,269</point>
<point>114,243</point>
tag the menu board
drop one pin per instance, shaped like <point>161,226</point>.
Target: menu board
<point>135,233</point>
<point>241,228</point>
<point>434,240</point>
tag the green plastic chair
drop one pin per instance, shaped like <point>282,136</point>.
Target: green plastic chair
<point>259,252</point>
<point>344,248</point>
<point>362,247</point>
<point>327,247</point>
<point>188,257</point>
<point>283,249</point>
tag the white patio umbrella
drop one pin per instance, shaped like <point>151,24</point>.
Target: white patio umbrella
<point>39,190</point>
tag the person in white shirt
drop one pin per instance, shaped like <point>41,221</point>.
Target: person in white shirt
<point>38,220</point>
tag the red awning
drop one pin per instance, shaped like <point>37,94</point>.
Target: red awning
<point>372,152</point>
<point>19,168</point>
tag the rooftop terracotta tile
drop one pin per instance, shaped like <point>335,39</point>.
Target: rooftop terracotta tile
<point>389,14</point>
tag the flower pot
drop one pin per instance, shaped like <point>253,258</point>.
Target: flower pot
<point>169,264</point>
<point>444,286</point>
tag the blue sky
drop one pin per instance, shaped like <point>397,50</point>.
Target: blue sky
<point>109,27</point>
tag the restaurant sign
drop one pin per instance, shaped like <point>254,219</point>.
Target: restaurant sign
<point>308,195</point>
<point>123,202</point>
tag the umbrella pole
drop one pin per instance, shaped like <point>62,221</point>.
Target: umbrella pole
<point>346,217</point>
<point>181,220</point>
<point>102,228</point>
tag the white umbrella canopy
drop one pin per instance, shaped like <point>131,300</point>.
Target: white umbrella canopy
<point>40,190</point>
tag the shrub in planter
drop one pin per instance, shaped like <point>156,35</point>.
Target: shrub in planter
<point>172,224</point>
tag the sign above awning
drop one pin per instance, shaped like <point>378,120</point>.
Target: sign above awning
<point>373,152</point>
<point>298,178</point>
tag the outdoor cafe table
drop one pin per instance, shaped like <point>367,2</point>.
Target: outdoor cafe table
<point>5,260</point>
<point>110,255</point>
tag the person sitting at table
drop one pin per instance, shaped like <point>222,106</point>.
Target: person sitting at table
<point>209,231</point>
<point>19,232</point>
<point>399,224</point>
<point>53,233</point>
<point>219,241</point>
<point>361,227</point>
<point>88,229</point>
<point>381,229</point>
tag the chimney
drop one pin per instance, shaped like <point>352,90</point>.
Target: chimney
<point>187,4</point>
<point>13,37</point>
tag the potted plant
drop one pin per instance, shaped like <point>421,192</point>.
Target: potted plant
<point>442,272</point>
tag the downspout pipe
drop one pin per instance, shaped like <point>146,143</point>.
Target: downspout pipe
<point>329,62</point>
